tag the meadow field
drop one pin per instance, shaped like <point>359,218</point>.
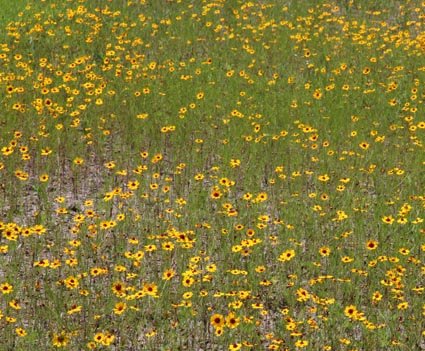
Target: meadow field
<point>212,175</point>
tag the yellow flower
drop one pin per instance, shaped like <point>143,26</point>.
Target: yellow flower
<point>168,274</point>
<point>71,282</point>
<point>74,309</point>
<point>120,307</point>
<point>325,251</point>
<point>60,340</point>
<point>301,343</point>
<point>215,194</point>
<point>98,337</point>
<point>323,178</point>
<point>150,289</point>
<point>364,145</point>
<point>351,311</point>
<point>232,321</point>
<point>371,245</point>
<point>78,161</point>
<point>44,178</point>
<point>261,197</point>
<point>6,288</point>
<point>235,346</point>
<point>403,305</point>
<point>317,94</point>
<point>287,255</point>
<point>20,332</point>
<point>388,219</point>
<point>217,320</point>
<point>15,305</point>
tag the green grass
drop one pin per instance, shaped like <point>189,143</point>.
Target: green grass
<point>215,176</point>
<point>10,10</point>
